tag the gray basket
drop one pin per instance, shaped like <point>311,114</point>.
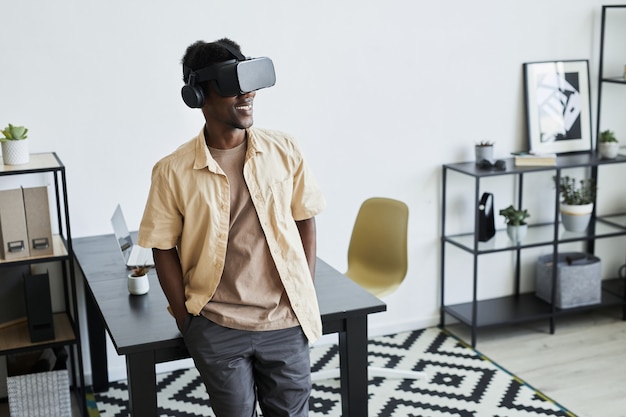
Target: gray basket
<point>578,282</point>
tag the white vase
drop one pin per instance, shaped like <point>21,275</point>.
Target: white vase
<point>516,233</point>
<point>608,150</point>
<point>576,217</point>
<point>15,152</point>
<point>138,285</point>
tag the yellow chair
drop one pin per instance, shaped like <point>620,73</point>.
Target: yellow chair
<point>378,261</point>
<point>377,255</point>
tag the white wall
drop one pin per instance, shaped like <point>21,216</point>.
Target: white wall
<point>380,95</point>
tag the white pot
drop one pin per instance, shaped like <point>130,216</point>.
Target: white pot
<point>516,233</point>
<point>15,152</point>
<point>576,217</point>
<point>138,285</point>
<point>608,150</point>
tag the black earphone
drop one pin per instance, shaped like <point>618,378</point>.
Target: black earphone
<point>192,93</point>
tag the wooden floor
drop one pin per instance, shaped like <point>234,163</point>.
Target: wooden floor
<point>582,365</point>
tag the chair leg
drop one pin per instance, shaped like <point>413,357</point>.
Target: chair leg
<point>327,374</point>
<point>371,371</point>
<point>395,373</point>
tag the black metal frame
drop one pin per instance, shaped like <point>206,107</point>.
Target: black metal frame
<point>77,377</point>
<point>521,307</point>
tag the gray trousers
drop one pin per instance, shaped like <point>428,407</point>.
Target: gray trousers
<point>241,367</point>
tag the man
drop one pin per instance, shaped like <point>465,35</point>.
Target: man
<point>231,219</point>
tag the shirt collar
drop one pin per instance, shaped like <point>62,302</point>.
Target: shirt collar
<point>204,159</point>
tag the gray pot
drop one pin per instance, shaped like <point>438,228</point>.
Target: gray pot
<point>484,152</point>
<point>576,218</point>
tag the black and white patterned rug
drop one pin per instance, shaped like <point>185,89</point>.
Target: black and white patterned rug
<point>460,383</point>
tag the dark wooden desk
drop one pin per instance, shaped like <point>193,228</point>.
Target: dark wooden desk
<point>143,331</point>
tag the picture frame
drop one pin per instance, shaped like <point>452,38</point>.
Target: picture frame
<point>558,105</point>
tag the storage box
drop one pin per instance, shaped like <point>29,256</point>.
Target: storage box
<point>13,232</point>
<point>38,220</point>
<point>578,279</point>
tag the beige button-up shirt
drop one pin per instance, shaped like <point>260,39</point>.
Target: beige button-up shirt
<point>189,204</point>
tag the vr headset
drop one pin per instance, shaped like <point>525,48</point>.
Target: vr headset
<point>230,78</point>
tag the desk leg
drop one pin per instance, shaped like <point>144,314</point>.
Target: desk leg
<point>97,344</point>
<point>142,395</point>
<point>353,363</point>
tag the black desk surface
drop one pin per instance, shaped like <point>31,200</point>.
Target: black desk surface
<point>140,323</point>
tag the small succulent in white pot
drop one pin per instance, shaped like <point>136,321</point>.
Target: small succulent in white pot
<point>608,145</point>
<point>516,226</point>
<point>15,145</point>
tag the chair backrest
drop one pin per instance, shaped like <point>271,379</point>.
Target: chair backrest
<point>377,255</point>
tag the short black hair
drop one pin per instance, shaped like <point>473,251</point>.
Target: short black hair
<point>202,54</point>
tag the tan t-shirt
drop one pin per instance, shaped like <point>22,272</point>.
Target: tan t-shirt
<point>250,295</point>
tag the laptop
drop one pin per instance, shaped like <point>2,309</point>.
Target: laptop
<point>134,255</point>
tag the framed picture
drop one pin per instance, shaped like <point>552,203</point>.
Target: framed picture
<point>557,106</point>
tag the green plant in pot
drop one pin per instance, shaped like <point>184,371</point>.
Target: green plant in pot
<point>516,226</point>
<point>15,145</point>
<point>608,145</point>
<point>577,198</point>
<point>138,283</point>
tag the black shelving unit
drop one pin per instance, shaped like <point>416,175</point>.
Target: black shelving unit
<point>15,338</point>
<point>521,307</point>
<point>611,77</point>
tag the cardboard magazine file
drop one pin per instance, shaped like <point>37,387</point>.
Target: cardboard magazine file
<point>38,221</point>
<point>13,231</point>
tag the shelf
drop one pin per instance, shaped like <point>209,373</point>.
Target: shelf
<point>503,310</point>
<point>39,162</point>
<point>584,159</point>
<point>518,309</point>
<point>16,337</point>
<point>539,235</point>
<point>617,80</point>
<point>618,220</point>
<point>59,251</point>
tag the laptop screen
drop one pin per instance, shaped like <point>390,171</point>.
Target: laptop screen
<point>121,232</point>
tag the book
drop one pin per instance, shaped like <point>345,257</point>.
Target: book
<point>527,159</point>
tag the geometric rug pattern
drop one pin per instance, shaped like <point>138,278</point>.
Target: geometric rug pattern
<point>461,383</point>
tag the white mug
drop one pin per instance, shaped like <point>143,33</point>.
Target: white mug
<point>138,285</point>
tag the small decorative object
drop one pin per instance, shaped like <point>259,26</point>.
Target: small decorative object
<point>578,279</point>
<point>516,226</point>
<point>577,202</point>
<point>608,144</point>
<point>486,225</point>
<point>138,283</point>
<point>15,145</point>
<point>484,151</point>
<point>558,116</point>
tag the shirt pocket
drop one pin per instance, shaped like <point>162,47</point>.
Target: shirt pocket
<point>281,193</point>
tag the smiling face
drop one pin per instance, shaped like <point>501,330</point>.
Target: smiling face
<point>227,116</point>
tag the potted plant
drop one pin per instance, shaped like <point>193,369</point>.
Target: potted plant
<point>138,283</point>
<point>15,145</point>
<point>577,201</point>
<point>484,150</point>
<point>516,226</point>
<point>608,144</point>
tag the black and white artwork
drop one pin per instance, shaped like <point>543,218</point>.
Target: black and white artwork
<point>557,106</point>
